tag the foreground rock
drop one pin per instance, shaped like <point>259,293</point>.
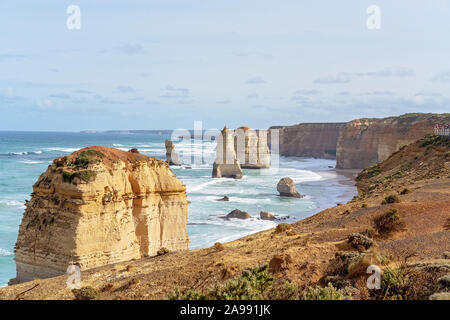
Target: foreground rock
<point>286,188</point>
<point>226,164</point>
<point>172,157</point>
<point>238,214</point>
<point>264,215</point>
<point>251,148</point>
<point>99,206</point>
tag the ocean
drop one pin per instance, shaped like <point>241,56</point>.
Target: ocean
<point>25,155</point>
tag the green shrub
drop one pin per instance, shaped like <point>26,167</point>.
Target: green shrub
<point>444,281</point>
<point>85,175</point>
<point>388,222</point>
<point>359,241</point>
<point>405,191</point>
<point>394,283</point>
<point>392,198</point>
<point>162,251</point>
<point>327,293</point>
<point>86,293</point>
<point>87,157</point>
<point>252,284</point>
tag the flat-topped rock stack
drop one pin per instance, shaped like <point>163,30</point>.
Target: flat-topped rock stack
<point>251,148</point>
<point>99,206</point>
<point>226,164</point>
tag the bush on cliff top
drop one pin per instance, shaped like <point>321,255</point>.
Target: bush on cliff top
<point>87,157</point>
<point>388,222</point>
<point>327,293</point>
<point>86,293</point>
<point>252,284</point>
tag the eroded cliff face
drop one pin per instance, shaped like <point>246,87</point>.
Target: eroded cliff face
<point>251,148</point>
<point>313,140</point>
<point>99,206</point>
<point>364,142</point>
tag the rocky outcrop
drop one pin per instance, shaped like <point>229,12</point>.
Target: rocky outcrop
<point>311,140</point>
<point>99,206</point>
<point>364,142</point>
<point>224,199</point>
<point>264,215</point>
<point>286,188</point>
<point>226,164</point>
<point>238,214</point>
<point>251,148</point>
<point>172,157</point>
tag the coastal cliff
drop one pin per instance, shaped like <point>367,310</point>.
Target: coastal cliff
<point>251,148</point>
<point>313,140</point>
<point>364,142</point>
<point>99,206</point>
<point>335,246</point>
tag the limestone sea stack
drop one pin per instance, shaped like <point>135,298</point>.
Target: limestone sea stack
<point>286,188</point>
<point>226,164</point>
<point>251,148</point>
<point>172,157</point>
<point>99,206</point>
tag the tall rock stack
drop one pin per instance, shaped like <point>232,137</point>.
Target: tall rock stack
<point>251,148</point>
<point>226,164</point>
<point>99,206</point>
<point>172,157</point>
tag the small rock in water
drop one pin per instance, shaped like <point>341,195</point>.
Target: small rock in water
<point>238,214</point>
<point>286,188</point>
<point>224,199</point>
<point>188,167</point>
<point>264,215</point>
<point>331,167</point>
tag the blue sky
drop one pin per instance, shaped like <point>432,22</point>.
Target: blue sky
<point>163,64</point>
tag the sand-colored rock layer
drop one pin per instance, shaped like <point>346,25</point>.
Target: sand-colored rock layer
<point>364,142</point>
<point>99,206</point>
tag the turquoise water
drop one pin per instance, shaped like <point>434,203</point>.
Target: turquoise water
<point>25,155</point>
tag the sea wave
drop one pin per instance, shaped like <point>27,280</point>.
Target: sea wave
<point>11,203</point>
<point>4,252</point>
<point>24,153</point>
<point>32,162</point>
<point>68,150</point>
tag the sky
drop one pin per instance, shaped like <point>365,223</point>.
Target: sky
<point>164,64</point>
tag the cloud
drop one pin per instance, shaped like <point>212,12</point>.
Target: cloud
<point>144,74</point>
<point>342,77</point>
<point>388,72</point>
<point>60,96</point>
<point>224,102</point>
<point>256,80</point>
<point>263,55</point>
<point>124,89</point>
<point>307,92</point>
<point>171,92</point>
<point>12,56</point>
<point>81,91</point>
<point>443,77</point>
<point>253,96</point>
<point>129,49</point>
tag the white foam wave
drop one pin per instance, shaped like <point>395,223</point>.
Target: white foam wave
<point>4,252</point>
<point>12,203</point>
<point>68,150</point>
